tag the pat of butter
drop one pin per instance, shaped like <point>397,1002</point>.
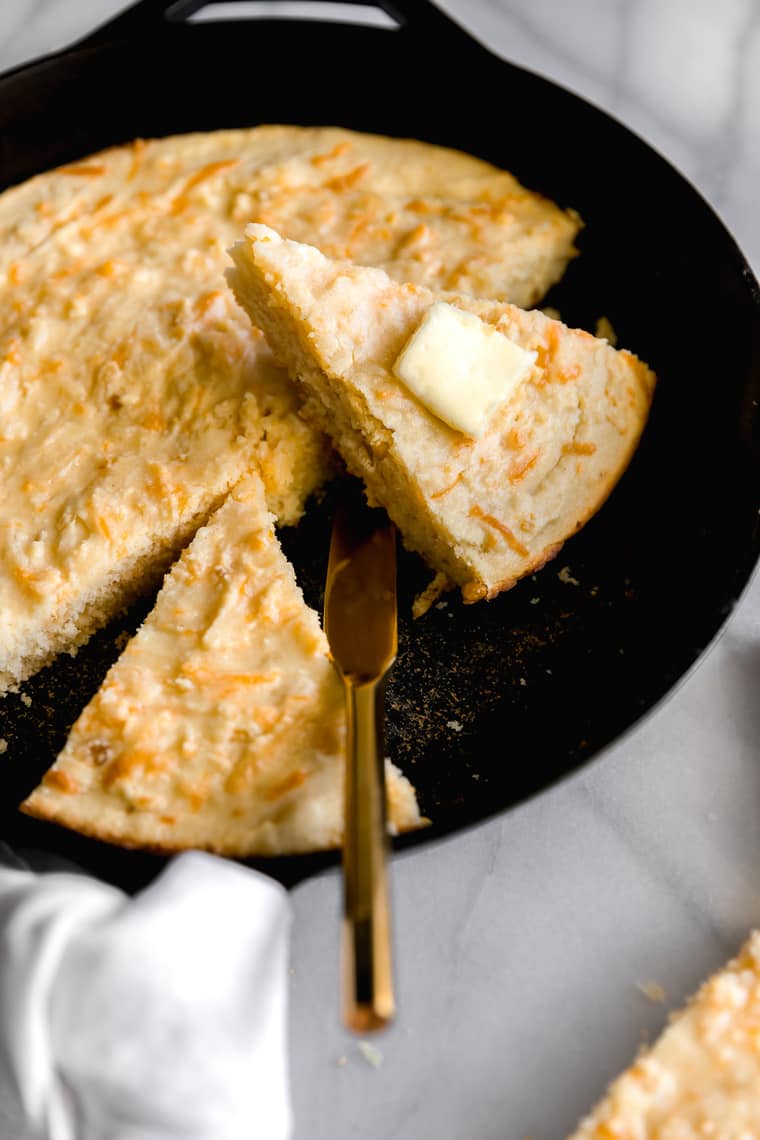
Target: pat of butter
<point>460,367</point>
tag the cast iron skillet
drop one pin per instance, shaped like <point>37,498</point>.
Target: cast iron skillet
<point>487,704</point>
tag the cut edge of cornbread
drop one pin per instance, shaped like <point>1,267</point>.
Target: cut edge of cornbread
<point>221,726</point>
<point>483,512</point>
<point>131,578</point>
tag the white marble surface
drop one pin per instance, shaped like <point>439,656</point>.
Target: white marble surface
<point>522,942</point>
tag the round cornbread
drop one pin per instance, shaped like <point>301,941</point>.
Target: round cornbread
<point>134,391</point>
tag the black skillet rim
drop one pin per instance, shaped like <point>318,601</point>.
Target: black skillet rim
<point>127,30</point>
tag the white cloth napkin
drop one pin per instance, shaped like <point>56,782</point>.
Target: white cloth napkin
<point>155,1017</point>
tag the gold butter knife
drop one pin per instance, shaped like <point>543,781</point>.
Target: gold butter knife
<point>360,624</point>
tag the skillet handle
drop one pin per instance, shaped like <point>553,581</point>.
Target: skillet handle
<point>147,17</point>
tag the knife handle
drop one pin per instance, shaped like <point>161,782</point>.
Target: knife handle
<point>368,997</point>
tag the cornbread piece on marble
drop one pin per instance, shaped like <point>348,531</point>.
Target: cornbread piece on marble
<point>482,511</point>
<point>222,724</point>
<point>702,1076</point>
<point>133,390</point>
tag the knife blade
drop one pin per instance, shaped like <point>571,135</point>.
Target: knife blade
<point>360,622</point>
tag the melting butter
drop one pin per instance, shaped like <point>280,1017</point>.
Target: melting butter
<point>461,368</point>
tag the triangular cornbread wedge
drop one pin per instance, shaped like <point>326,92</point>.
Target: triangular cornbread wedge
<point>221,726</point>
<point>702,1076</point>
<point>483,511</point>
<point>134,392</point>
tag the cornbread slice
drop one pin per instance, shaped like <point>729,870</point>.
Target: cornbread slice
<point>134,392</point>
<point>702,1076</point>
<point>482,511</point>
<point>221,726</point>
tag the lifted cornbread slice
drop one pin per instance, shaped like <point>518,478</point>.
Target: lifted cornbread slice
<point>221,726</point>
<point>134,391</point>
<point>482,511</point>
<point>702,1076</point>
